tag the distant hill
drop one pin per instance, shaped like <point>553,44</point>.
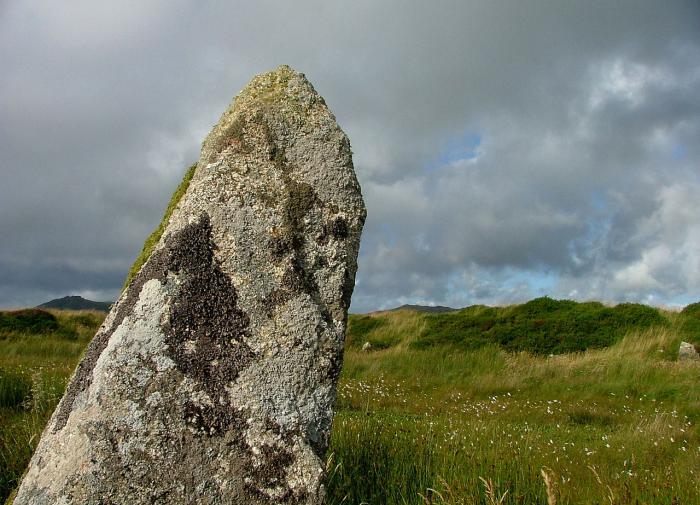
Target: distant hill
<point>424,308</point>
<point>75,303</point>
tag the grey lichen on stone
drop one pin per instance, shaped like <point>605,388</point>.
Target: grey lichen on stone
<point>688,352</point>
<point>213,378</point>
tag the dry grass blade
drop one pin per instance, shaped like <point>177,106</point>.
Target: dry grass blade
<point>550,485</point>
<point>491,493</point>
<point>430,492</point>
<point>606,488</point>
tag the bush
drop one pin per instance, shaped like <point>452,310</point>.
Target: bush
<point>689,320</point>
<point>692,310</point>
<point>28,321</point>
<point>540,326</point>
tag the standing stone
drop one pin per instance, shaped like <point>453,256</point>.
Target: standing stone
<point>213,378</point>
<point>687,352</point>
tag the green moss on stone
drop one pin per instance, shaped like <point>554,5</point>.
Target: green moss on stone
<point>11,499</point>
<point>154,237</point>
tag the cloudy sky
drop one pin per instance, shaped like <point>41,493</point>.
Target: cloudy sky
<point>506,150</point>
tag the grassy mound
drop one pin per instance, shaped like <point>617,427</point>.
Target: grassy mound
<point>38,324</point>
<point>541,326</point>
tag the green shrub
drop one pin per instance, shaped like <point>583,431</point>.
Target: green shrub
<point>689,324</point>
<point>637,315</point>
<point>540,326</point>
<point>692,310</point>
<point>28,321</point>
<point>542,306</point>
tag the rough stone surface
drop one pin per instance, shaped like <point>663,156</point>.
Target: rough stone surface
<point>213,378</point>
<point>687,352</point>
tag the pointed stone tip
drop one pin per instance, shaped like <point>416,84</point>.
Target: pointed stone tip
<point>280,74</point>
<point>282,95</point>
<point>284,69</point>
<point>278,84</point>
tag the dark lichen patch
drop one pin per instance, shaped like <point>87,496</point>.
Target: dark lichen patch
<point>268,475</point>
<point>339,228</point>
<point>297,279</point>
<point>279,246</point>
<point>271,471</point>
<point>276,154</point>
<point>322,238</point>
<point>211,420</point>
<point>301,198</point>
<point>203,312</point>
<point>206,331</point>
<point>275,298</point>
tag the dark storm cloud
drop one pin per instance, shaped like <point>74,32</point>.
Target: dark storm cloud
<point>582,180</point>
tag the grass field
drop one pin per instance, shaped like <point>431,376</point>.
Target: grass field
<point>443,410</point>
<point>37,356</point>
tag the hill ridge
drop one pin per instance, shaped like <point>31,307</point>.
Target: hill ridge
<point>75,302</point>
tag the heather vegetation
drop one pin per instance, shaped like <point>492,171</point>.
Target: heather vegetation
<point>448,409</point>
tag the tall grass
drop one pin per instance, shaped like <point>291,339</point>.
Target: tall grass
<point>447,424</point>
